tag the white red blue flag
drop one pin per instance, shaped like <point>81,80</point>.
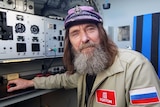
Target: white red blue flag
<point>144,96</point>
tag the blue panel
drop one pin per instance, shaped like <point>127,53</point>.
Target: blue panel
<point>146,35</point>
<point>159,51</point>
<point>159,56</point>
<point>134,33</point>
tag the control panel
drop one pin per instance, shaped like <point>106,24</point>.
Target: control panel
<point>26,6</point>
<point>54,37</point>
<point>29,36</point>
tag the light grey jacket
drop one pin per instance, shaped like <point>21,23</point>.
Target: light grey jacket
<point>131,73</point>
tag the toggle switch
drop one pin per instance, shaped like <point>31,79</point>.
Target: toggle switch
<point>52,49</point>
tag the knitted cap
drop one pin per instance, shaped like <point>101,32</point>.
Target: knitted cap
<point>82,14</point>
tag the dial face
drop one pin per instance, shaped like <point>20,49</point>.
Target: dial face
<point>34,29</point>
<point>20,28</point>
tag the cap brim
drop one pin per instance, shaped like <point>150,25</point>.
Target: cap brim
<point>78,22</point>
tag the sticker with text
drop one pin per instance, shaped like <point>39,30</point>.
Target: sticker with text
<point>107,97</point>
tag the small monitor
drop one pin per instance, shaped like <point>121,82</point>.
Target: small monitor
<point>106,6</point>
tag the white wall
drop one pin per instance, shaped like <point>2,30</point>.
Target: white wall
<point>122,12</point>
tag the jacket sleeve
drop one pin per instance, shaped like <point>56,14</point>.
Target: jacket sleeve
<point>56,81</point>
<point>141,78</point>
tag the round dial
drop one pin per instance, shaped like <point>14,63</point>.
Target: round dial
<point>20,28</point>
<point>34,29</point>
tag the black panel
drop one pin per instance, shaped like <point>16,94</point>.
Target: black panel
<point>35,47</point>
<point>6,32</point>
<point>154,42</point>
<point>21,47</point>
<point>139,30</point>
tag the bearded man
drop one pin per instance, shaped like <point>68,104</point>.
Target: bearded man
<point>103,74</point>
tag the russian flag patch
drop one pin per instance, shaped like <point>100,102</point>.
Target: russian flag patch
<point>144,96</point>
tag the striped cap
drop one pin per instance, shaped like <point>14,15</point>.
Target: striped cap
<point>81,14</point>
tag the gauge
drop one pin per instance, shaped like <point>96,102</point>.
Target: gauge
<point>34,29</point>
<point>20,28</point>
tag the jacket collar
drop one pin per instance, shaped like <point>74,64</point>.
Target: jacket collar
<point>114,69</point>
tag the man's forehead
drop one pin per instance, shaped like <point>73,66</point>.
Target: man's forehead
<point>82,25</point>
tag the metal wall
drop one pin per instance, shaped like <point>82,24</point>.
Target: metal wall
<point>146,37</point>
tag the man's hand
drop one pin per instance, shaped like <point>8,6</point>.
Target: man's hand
<point>19,84</point>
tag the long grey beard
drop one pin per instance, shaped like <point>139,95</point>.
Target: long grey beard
<point>91,64</point>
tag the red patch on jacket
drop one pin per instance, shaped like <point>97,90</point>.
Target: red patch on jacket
<point>106,97</point>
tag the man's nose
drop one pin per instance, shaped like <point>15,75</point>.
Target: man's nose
<point>85,38</point>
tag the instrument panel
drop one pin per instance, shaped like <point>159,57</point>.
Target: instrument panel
<point>29,36</point>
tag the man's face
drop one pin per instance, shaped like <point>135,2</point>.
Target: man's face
<point>84,37</point>
<point>89,57</point>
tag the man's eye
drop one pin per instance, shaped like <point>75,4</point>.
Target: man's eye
<point>90,29</point>
<point>74,34</point>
